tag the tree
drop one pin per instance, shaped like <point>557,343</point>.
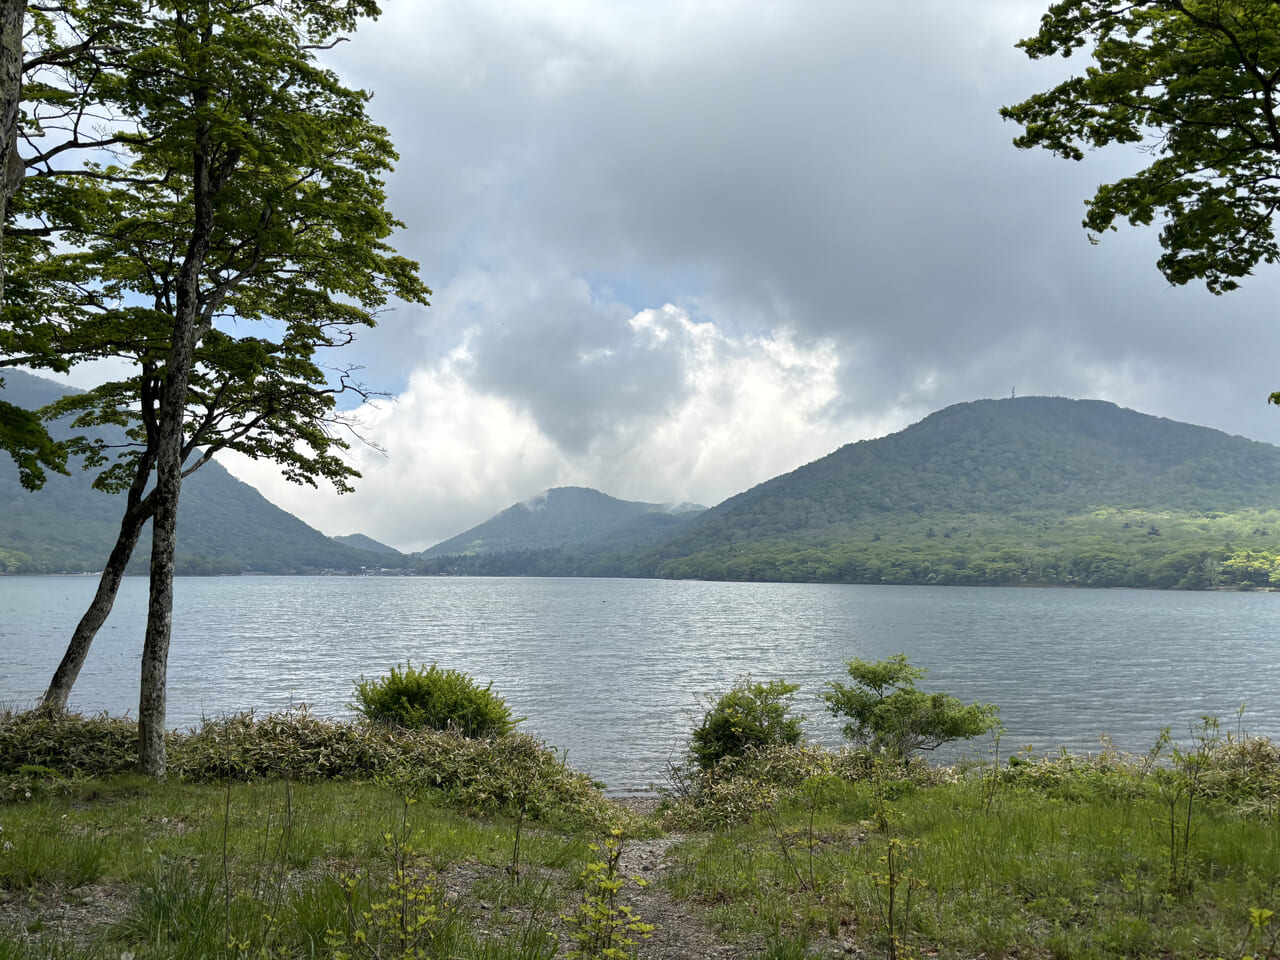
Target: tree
<point>266,400</point>
<point>888,713</point>
<point>1196,83</point>
<point>245,190</point>
<point>20,432</point>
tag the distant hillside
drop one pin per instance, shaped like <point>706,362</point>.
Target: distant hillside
<point>1036,490</point>
<point>564,517</point>
<point>224,526</point>
<point>358,541</point>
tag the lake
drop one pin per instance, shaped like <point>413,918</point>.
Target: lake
<point>612,671</point>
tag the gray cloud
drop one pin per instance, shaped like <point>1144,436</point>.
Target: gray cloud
<point>573,362</point>
<point>824,191</point>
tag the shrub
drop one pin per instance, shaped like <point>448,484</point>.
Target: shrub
<point>40,754</point>
<point>751,715</point>
<point>737,788</point>
<point>436,699</point>
<point>889,714</point>
<point>68,743</point>
<point>290,744</point>
<point>1244,769</point>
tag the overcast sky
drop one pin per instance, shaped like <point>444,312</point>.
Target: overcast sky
<point>679,247</point>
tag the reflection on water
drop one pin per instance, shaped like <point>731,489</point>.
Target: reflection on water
<point>611,671</point>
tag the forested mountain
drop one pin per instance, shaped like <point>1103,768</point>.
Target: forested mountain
<point>359,541</point>
<point>1028,490</point>
<point>1032,455</point>
<point>565,517</point>
<point>1034,489</point>
<point>1031,491</point>
<point>224,526</point>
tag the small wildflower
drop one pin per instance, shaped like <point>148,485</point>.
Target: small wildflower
<point>8,845</point>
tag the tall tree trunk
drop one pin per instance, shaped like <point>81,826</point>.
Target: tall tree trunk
<point>136,514</point>
<point>64,678</point>
<point>152,701</point>
<point>152,696</point>
<point>12,14</point>
<point>212,164</point>
<point>188,327</point>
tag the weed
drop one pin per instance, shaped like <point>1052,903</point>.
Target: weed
<point>401,919</point>
<point>811,793</point>
<point>992,779</point>
<point>897,884</point>
<point>1261,940</point>
<point>603,927</point>
<point>1181,789</point>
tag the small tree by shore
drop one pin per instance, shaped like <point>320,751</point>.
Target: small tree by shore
<point>888,713</point>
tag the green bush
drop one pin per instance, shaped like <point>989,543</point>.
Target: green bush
<point>737,788</point>
<point>436,699</point>
<point>68,743</point>
<point>42,754</point>
<point>889,714</point>
<point>751,715</point>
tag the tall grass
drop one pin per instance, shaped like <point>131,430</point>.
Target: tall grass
<point>277,869</point>
<point>1065,856</point>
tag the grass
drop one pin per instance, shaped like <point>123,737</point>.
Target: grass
<point>1051,858</point>
<point>790,853</point>
<point>277,868</point>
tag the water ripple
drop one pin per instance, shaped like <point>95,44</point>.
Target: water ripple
<point>611,671</point>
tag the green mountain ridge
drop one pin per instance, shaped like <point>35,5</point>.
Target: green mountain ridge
<point>359,541</point>
<point>1037,490</point>
<point>564,517</point>
<point>1028,455</point>
<point>224,525</point>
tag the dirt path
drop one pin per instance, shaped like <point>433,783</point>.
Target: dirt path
<point>680,933</point>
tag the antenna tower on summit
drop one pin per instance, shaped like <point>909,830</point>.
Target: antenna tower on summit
<point>1013,393</point>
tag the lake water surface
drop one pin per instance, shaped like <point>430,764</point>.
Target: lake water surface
<point>611,671</point>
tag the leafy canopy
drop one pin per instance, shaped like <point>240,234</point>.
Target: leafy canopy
<point>24,438</point>
<point>887,712</point>
<point>1196,83</point>
<point>234,229</point>
<point>244,190</point>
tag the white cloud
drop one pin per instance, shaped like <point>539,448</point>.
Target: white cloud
<point>753,406</point>
<point>825,193</point>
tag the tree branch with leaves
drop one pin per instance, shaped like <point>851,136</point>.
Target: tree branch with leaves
<point>1195,84</point>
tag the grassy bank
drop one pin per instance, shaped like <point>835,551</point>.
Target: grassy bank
<point>292,837</point>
